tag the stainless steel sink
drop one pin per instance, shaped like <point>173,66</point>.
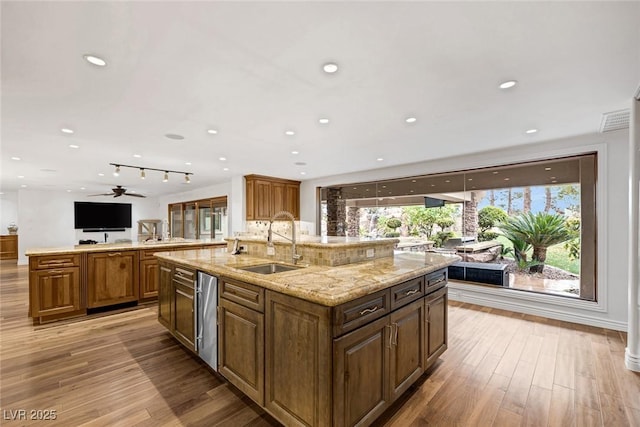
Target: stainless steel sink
<point>270,268</point>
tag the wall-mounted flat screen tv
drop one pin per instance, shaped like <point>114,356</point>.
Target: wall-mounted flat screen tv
<point>102,216</point>
<point>431,202</point>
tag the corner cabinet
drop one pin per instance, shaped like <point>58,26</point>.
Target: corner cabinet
<point>266,196</point>
<point>55,289</point>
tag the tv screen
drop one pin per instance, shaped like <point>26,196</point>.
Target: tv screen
<point>430,202</point>
<point>102,216</point>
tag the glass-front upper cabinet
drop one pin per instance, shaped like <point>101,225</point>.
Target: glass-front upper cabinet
<point>190,221</point>
<point>205,227</point>
<point>199,219</point>
<point>175,219</point>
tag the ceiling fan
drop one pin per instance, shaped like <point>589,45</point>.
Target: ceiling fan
<point>119,191</point>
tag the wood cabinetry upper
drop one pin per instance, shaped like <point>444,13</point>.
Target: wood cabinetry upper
<point>266,196</point>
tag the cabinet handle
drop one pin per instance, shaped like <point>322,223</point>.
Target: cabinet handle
<point>436,282</point>
<point>395,336</point>
<point>368,310</point>
<point>114,254</point>
<point>54,271</point>
<point>412,291</point>
<point>390,335</point>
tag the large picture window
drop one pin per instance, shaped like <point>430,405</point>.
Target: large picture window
<point>534,221</point>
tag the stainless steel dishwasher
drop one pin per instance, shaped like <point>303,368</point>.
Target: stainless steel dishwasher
<point>206,320</point>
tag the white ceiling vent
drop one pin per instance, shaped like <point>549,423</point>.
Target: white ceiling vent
<point>615,120</point>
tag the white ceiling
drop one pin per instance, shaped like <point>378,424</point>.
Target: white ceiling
<point>252,70</point>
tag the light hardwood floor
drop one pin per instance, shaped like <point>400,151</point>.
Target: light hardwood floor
<point>501,369</point>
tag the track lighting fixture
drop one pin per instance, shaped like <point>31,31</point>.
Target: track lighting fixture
<point>143,172</point>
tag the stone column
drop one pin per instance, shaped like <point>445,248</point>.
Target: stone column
<point>353,221</point>
<point>336,213</point>
<point>470,217</point>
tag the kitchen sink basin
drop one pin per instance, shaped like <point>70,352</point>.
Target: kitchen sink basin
<point>270,268</point>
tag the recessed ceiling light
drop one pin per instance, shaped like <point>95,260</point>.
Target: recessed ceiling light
<point>447,180</point>
<point>187,163</point>
<point>410,120</point>
<point>20,176</point>
<point>100,174</point>
<point>530,131</point>
<point>469,179</point>
<point>295,152</point>
<point>137,156</point>
<point>554,181</point>
<point>508,84</point>
<point>553,177</point>
<point>74,146</point>
<point>225,169</point>
<point>15,158</point>
<point>95,60</point>
<point>66,130</point>
<point>303,173</point>
<point>379,159</point>
<point>330,67</point>
<point>212,131</point>
<point>433,185</point>
<point>24,186</point>
<point>413,180</point>
<point>289,132</point>
<point>323,121</point>
<point>506,179</point>
<point>222,159</point>
<point>410,191</point>
<point>68,191</point>
<point>82,188</point>
<point>547,168</point>
<point>496,172</point>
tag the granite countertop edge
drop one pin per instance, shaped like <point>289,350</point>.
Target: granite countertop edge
<point>106,247</point>
<point>325,285</point>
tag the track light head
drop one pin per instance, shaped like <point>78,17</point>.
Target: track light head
<point>142,174</point>
<point>187,179</point>
<point>117,171</point>
<point>166,176</point>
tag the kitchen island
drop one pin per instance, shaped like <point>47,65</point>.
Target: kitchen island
<point>318,345</point>
<point>72,281</point>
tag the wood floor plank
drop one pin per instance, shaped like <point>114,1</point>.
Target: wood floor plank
<point>501,369</point>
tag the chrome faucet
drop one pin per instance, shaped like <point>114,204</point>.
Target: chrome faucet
<point>294,257</point>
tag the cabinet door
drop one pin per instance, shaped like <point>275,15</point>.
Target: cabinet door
<point>361,374</point>
<point>148,279</point>
<point>241,348</point>
<point>262,201</point>
<point>165,294</point>
<point>55,291</point>
<point>436,322</point>
<point>184,325</point>
<point>278,195</point>
<point>112,278</point>
<point>407,359</point>
<point>292,199</point>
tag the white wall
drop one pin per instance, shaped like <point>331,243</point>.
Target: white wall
<point>612,211</point>
<point>8,210</point>
<point>46,219</point>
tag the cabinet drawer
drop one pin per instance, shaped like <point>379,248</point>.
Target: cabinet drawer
<point>354,314</point>
<point>245,294</point>
<point>54,261</point>
<point>184,276</point>
<point>436,280</point>
<point>406,292</point>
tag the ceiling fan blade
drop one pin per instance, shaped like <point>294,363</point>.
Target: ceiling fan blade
<point>103,194</point>
<point>134,195</point>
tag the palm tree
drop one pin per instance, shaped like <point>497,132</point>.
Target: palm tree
<point>539,230</point>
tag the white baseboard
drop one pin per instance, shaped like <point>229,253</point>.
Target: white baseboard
<point>631,361</point>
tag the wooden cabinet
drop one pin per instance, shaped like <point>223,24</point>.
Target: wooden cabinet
<point>148,279</point>
<point>55,287</point>
<point>183,305</point>
<point>406,362</point>
<point>9,246</point>
<point>165,294</point>
<point>198,219</point>
<point>436,325</point>
<point>266,196</point>
<point>112,278</point>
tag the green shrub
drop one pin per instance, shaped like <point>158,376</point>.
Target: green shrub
<point>393,234</point>
<point>485,236</point>
<point>441,237</point>
<point>489,217</point>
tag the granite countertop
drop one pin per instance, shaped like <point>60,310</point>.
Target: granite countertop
<point>328,286</point>
<point>319,241</point>
<point>102,247</point>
